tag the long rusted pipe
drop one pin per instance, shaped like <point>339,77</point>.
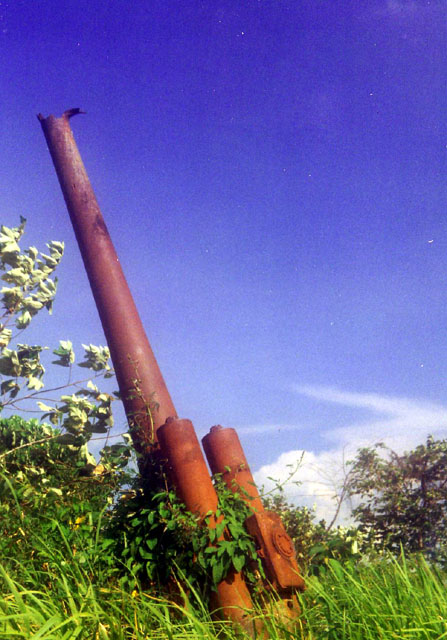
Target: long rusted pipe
<point>146,399</point>
<point>143,391</point>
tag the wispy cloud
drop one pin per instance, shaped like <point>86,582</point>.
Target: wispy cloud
<point>401,423</point>
<point>268,428</point>
<point>400,8</point>
<point>398,421</point>
<point>414,15</point>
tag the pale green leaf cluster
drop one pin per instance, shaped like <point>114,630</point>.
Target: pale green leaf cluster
<point>22,362</point>
<point>65,354</point>
<point>28,274</point>
<point>31,287</point>
<point>82,413</point>
<point>97,359</point>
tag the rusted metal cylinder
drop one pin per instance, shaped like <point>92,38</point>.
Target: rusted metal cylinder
<point>144,393</point>
<point>190,476</point>
<point>187,467</point>
<point>225,456</point>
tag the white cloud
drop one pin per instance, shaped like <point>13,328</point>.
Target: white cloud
<point>319,476</point>
<point>401,423</point>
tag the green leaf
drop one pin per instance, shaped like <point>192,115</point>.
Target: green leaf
<point>55,490</point>
<point>235,529</point>
<point>220,528</point>
<point>32,303</point>
<point>45,407</point>
<point>217,572</point>
<point>95,428</point>
<point>9,363</point>
<point>16,276</point>
<point>12,297</point>
<point>65,354</point>
<point>35,383</point>
<point>96,358</point>
<point>23,320</point>
<point>5,336</point>
<point>238,562</point>
<point>152,543</point>
<point>211,551</point>
<point>11,387</point>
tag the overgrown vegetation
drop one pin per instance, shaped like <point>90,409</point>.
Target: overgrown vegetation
<point>158,539</point>
<point>403,498</point>
<point>89,550</point>
<point>78,598</point>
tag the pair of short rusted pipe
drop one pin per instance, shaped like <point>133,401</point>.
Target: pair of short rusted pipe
<point>180,446</point>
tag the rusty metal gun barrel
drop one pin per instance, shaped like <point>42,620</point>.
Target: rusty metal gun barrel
<point>144,393</point>
<point>147,402</point>
<point>143,390</point>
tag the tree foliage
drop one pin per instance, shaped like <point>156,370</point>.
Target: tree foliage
<point>402,498</point>
<point>50,484</point>
<point>54,499</point>
<point>82,409</point>
<point>40,474</point>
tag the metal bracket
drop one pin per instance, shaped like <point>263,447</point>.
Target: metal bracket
<point>276,549</point>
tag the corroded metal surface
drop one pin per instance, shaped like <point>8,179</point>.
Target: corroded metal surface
<point>276,549</point>
<point>187,467</point>
<point>189,474</point>
<point>144,393</point>
<point>225,456</point>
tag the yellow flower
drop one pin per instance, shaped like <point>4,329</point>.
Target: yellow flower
<point>79,520</point>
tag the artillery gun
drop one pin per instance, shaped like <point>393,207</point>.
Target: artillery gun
<point>156,430</point>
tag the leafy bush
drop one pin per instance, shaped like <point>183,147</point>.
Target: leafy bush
<point>157,539</point>
<point>403,498</point>
<point>50,485</point>
<point>48,489</point>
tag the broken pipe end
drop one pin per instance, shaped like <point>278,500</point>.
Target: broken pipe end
<point>69,113</point>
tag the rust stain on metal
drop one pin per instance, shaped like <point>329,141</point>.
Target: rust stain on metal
<point>186,466</point>
<point>225,455</point>
<point>276,549</point>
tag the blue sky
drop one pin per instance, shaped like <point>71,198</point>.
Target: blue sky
<point>272,174</point>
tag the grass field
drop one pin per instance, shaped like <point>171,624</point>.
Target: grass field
<point>66,599</point>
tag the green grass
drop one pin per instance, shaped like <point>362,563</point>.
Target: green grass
<point>66,599</point>
<point>398,599</point>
